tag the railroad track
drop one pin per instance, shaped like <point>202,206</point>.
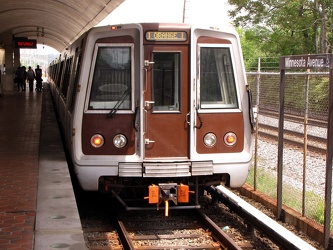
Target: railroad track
<point>190,229</point>
<point>314,144</point>
<point>294,118</point>
<point>109,226</point>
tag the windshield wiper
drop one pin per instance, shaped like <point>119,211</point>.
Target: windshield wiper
<point>118,104</point>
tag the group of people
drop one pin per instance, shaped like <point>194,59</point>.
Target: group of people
<point>22,75</point>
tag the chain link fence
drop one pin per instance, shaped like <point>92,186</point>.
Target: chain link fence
<point>306,112</point>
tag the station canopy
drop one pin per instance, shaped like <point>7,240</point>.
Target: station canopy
<point>55,23</point>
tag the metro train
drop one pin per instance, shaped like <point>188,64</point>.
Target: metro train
<point>163,108</point>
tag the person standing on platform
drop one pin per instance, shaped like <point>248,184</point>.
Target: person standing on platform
<point>24,72</point>
<point>38,72</point>
<point>19,78</point>
<point>31,78</point>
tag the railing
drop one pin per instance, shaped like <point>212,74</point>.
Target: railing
<point>306,95</point>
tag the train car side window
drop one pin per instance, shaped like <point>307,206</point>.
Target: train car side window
<point>59,74</point>
<point>166,81</point>
<point>217,82</point>
<point>112,77</point>
<point>77,71</point>
<point>66,76</point>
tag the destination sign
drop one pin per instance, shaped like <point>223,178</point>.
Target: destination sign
<point>321,61</point>
<point>23,43</point>
<point>170,36</point>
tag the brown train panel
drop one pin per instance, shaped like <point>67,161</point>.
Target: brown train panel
<point>165,140</point>
<point>205,39</point>
<point>220,124</point>
<point>108,127</point>
<point>116,39</point>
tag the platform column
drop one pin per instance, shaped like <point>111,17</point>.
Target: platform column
<point>7,79</point>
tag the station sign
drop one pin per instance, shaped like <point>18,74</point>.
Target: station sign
<point>23,43</point>
<point>317,61</point>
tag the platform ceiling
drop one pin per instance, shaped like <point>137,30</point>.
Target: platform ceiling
<point>55,23</point>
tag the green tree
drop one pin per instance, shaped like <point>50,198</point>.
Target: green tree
<point>290,26</point>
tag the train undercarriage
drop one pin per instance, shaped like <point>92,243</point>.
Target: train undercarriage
<point>160,193</point>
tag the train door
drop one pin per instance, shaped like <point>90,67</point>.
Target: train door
<point>166,101</point>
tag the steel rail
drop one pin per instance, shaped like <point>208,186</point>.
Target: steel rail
<point>294,118</point>
<point>222,240</point>
<point>124,236</point>
<point>288,134</point>
<point>294,133</point>
<point>218,233</point>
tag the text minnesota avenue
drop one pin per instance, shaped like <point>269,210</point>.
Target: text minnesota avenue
<point>306,62</point>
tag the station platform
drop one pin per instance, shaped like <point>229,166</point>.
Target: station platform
<point>38,209</point>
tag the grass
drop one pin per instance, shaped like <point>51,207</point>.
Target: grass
<point>291,197</point>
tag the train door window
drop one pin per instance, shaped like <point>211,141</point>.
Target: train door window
<point>111,82</point>
<point>166,81</point>
<point>217,81</point>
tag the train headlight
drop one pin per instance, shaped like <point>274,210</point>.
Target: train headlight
<point>210,139</point>
<point>230,139</point>
<point>97,141</point>
<point>120,141</point>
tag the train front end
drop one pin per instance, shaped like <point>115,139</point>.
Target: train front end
<point>162,108</point>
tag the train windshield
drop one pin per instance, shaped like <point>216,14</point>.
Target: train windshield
<point>111,82</point>
<point>217,82</point>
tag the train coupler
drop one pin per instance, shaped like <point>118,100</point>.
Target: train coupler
<point>168,192</point>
